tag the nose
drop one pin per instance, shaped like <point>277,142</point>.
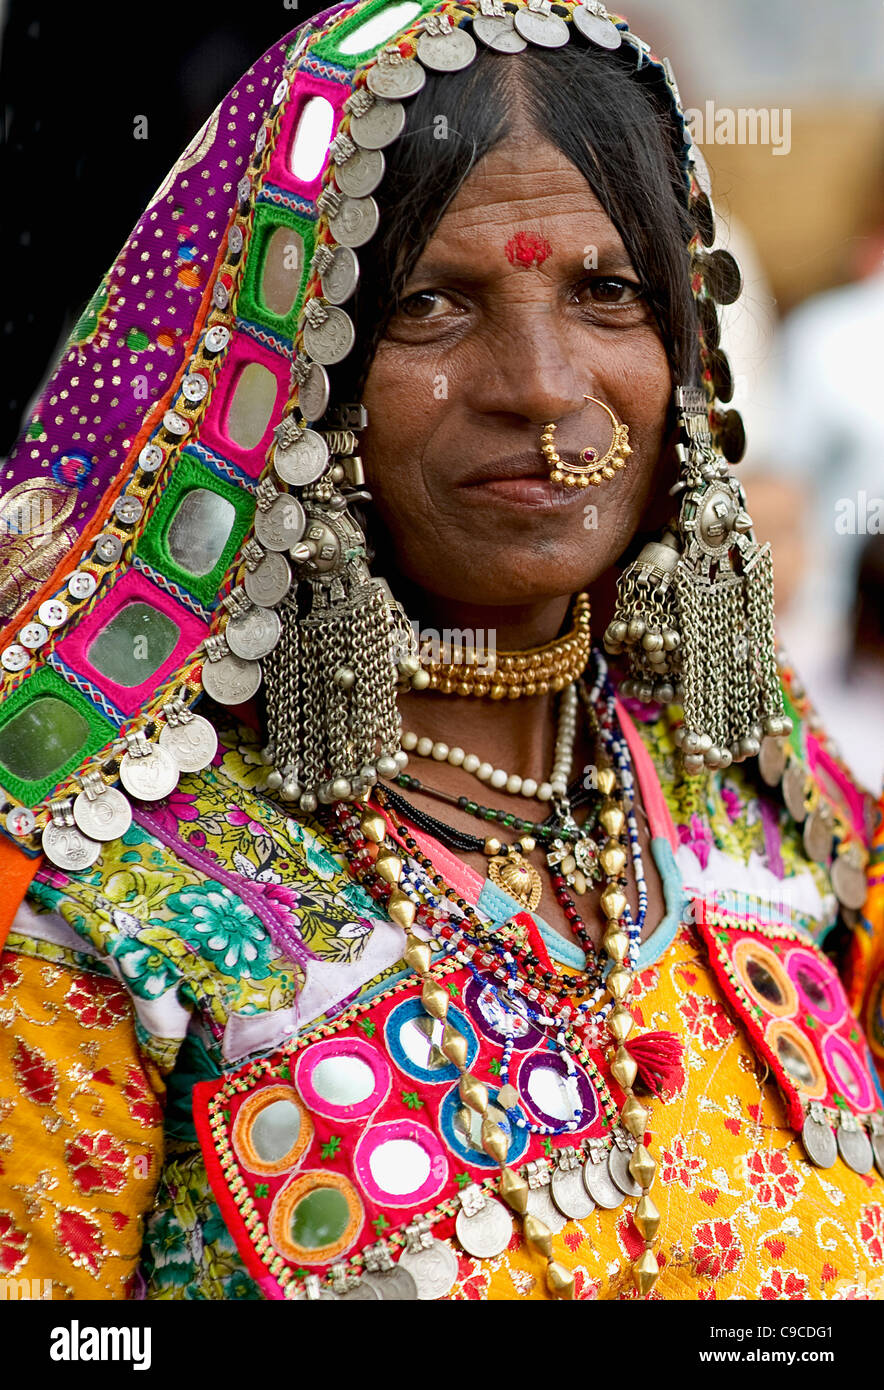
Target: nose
<point>535,373</point>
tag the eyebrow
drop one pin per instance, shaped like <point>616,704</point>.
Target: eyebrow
<point>610,260</point>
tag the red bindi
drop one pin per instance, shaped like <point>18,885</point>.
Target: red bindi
<point>527,249</point>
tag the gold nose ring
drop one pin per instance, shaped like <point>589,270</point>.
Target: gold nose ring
<point>592,470</point>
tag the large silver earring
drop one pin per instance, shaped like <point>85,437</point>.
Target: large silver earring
<point>695,611</point>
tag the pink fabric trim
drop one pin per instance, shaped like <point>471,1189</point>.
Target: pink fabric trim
<point>130,588</point>
<point>654,802</point>
<point>822,768</point>
<point>306,85</point>
<point>244,351</point>
<point>464,879</point>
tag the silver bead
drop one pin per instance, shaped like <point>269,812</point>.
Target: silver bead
<point>368,774</point>
<point>401,759</point>
<point>274,780</point>
<point>693,763</point>
<point>290,789</point>
<point>409,666</point>
<point>704,743</point>
<point>345,678</point>
<point>340,788</point>
<point>420,680</point>
<point>387,766</point>
<point>690,742</point>
<point>636,630</point>
<point>307,802</point>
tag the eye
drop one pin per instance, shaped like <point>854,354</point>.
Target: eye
<point>425,304</point>
<point>612,289</point>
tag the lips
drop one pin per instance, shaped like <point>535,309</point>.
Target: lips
<point>512,468</point>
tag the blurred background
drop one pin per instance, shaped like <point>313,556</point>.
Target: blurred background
<point>789,97</point>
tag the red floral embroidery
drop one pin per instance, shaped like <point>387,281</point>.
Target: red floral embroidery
<point>585,1287</point>
<point>784,1284</point>
<point>573,1239</point>
<point>10,975</point>
<point>706,1020</point>
<point>80,1239</point>
<point>96,1163</point>
<point>36,1077</point>
<point>97,1003</point>
<point>13,1244</point>
<point>472,1281</point>
<point>628,1235</point>
<point>717,1249</point>
<point>677,1165</point>
<point>871,1231</point>
<point>143,1104</point>
<point>775,1248</point>
<point>775,1184</point>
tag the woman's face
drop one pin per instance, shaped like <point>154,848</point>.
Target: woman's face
<point>523,302</point>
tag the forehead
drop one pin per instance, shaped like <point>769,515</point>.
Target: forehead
<point>524,182</point>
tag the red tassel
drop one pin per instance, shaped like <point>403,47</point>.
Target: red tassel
<point>659,1059</point>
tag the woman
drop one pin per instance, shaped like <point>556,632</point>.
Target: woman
<point>289,1022</point>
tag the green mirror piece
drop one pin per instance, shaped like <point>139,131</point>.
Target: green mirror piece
<point>251,406</point>
<point>135,643</point>
<point>281,272</point>
<point>275,1130</point>
<point>41,738</point>
<point>320,1218</point>
<point>199,530</point>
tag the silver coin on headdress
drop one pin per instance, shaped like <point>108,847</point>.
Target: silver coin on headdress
<point>342,276</point>
<point>570,1193</point>
<point>595,24</point>
<point>394,79</point>
<point>772,760</point>
<point>313,392</point>
<point>498,32</point>
<point>330,341</point>
<point>818,1140</point>
<point>270,580</point>
<point>359,1292</point>
<point>487,1232</point>
<point>601,1186</point>
<point>150,777</point>
<point>854,1144</point>
<point>302,462</point>
<point>68,848</point>
<point>849,882</point>
<point>446,52</point>
<point>541,1205</point>
<point>361,173</point>
<point>817,835</point>
<point>392,1285</point>
<point>355,222</point>
<point>380,125</point>
<point>618,1170</point>
<point>103,817</point>
<point>193,743</point>
<point>540,27</point>
<point>282,524</point>
<point>433,1268</point>
<point>794,791</point>
<point>230,680</point>
<point>253,634</point>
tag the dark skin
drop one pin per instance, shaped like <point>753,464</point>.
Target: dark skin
<point>480,355</point>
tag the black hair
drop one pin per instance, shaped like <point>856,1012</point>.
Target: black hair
<point>603,115</point>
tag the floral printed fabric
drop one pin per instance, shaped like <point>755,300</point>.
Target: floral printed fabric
<point>80,1130</point>
<point>215,906</point>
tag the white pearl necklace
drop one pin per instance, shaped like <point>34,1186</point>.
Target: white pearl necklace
<point>498,777</point>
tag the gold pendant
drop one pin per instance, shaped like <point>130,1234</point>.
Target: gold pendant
<point>516,876</point>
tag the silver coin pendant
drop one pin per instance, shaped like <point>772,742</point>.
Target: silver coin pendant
<point>193,744</point>
<point>230,680</point>
<point>269,581</point>
<point>486,1234</point>
<point>104,817</point>
<point>67,848</point>
<point>819,1142</point>
<point>570,1194</point>
<point>253,634</point>
<point>433,1269</point>
<point>600,1185</point>
<point>150,777</point>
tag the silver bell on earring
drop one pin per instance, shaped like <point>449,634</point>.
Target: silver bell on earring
<point>695,611</point>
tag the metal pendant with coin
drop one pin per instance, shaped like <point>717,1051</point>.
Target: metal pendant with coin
<point>540,1200</point>
<point>567,1187</point>
<point>393,77</point>
<point>281,524</point>
<point>147,771</point>
<point>849,877</point>
<point>330,337</point>
<point>303,461</point>
<point>443,47</point>
<point>361,173</point>
<point>379,126</point>
<point>854,1144</point>
<point>355,221</point>
<point>188,737</point>
<point>64,844</point>
<point>351,1288</point>
<point>536,23</point>
<point>499,32</point>
<point>618,1165</point>
<point>227,678</point>
<point>876,1132</point>
<point>431,1263</point>
<point>818,1137</point>
<point>599,1183</point>
<point>314,388</point>
<point>795,791</point>
<point>101,812</point>
<point>483,1225</point>
<point>390,1281</point>
<point>817,834</point>
<point>270,580</point>
<point>772,760</point>
<point>595,24</point>
<point>342,276</point>
<point>253,634</point>
<point>315,1291</point>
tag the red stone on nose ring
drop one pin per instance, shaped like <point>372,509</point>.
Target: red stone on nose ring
<point>599,469</point>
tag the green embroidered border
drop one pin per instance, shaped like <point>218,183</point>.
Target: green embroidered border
<point>268,218</point>
<point>46,681</point>
<point>189,476</point>
<point>329,45</point>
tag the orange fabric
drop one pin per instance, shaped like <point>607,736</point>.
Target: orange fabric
<point>80,1131</point>
<point>17,871</point>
